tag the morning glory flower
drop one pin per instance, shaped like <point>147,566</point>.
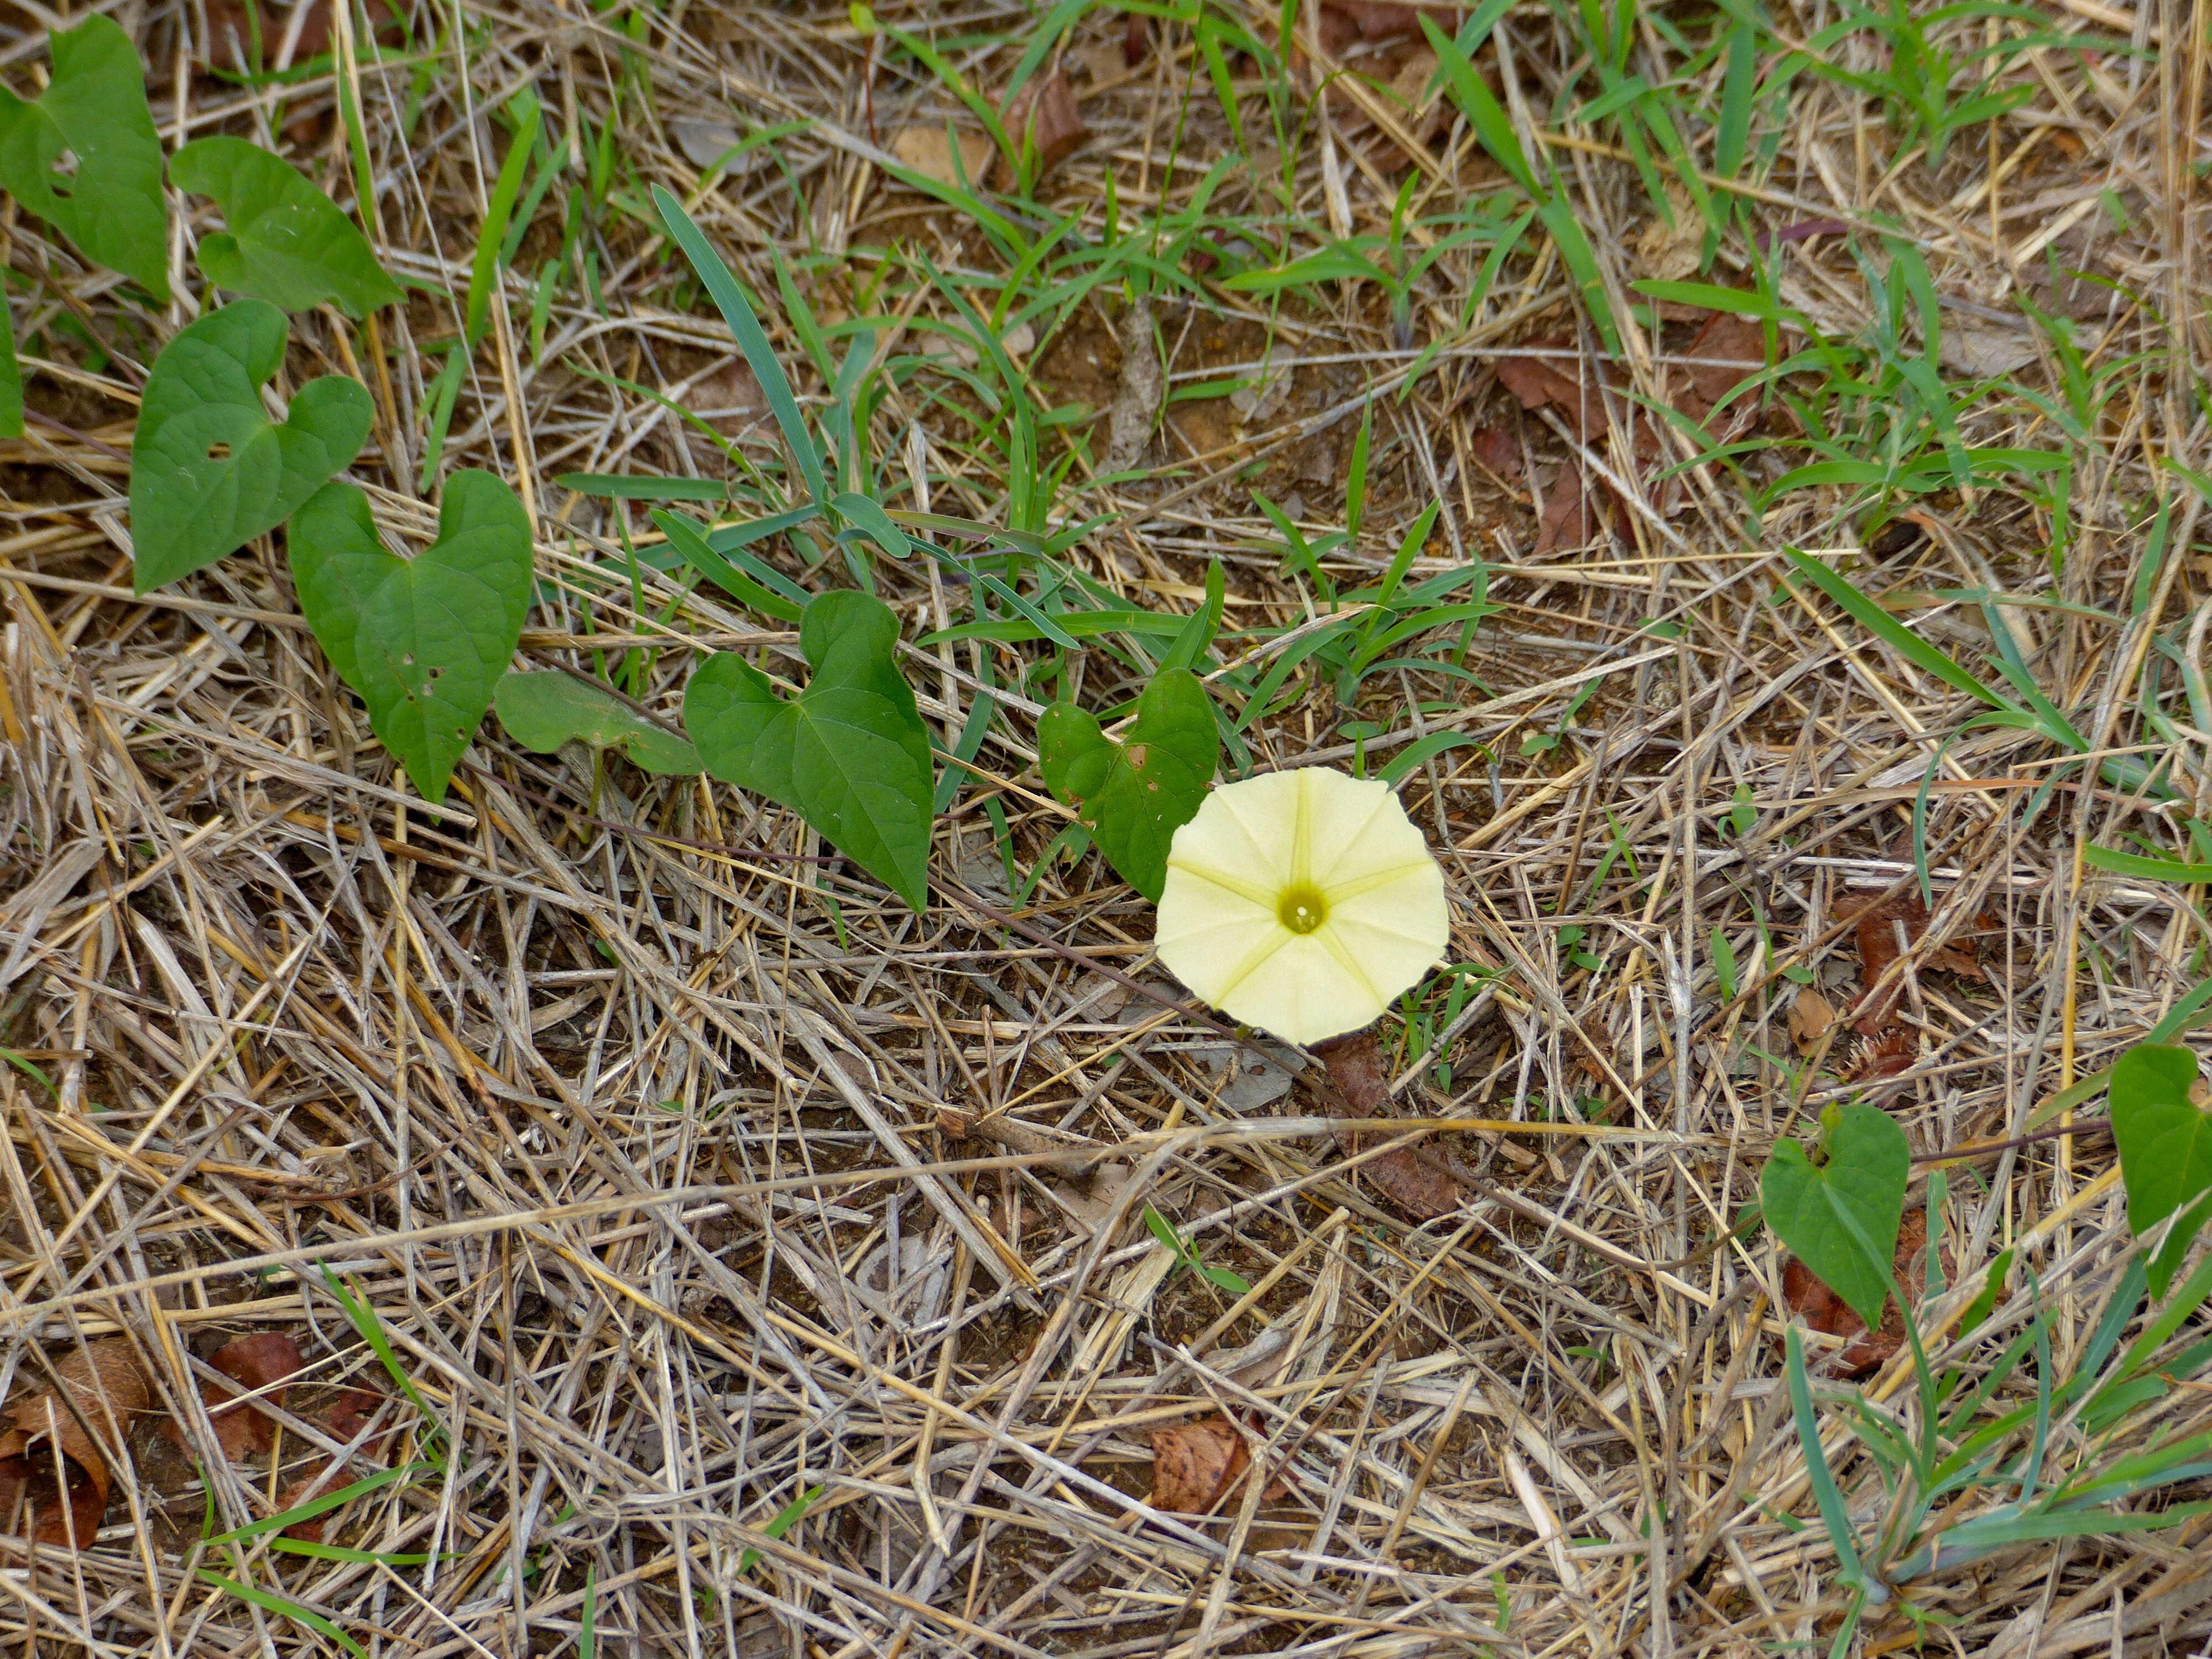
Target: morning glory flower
<point>1301,901</point>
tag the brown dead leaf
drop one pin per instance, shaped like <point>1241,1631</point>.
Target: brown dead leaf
<point>1538,380</point>
<point>1382,20</point>
<point>1494,447</point>
<point>1729,349</point>
<point>1044,114</point>
<point>1195,1466</point>
<point>230,36</point>
<point>1136,41</point>
<point>1810,1016</point>
<point>67,1497</point>
<point>344,1416</point>
<point>1572,515</point>
<point>1412,1182</point>
<point>259,1365</point>
<point>1891,1055</point>
<point>1875,924</point>
<point>929,151</point>
<point>1825,1312</point>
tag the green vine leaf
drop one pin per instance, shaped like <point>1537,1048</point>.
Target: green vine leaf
<point>849,753</point>
<point>422,641</point>
<point>1841,1218</point>
<point>543,711</point>
<point>85,156</point>
<point>2165,1140</point>
<point>208,470</point>
<point>288,242</point>
<point>1132,795</point>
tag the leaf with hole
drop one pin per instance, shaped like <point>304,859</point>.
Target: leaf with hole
<point>543,711</point>
<point>2165,1140</point>
<point>1841,1218</point>
<point>84,156</point>
<point>1134,794</point>
<point>287,242</point>
<point>849,753</point>
<point>423,641</point>
<point>209,470</point>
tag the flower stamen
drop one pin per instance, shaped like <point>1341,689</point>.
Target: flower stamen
<point>1302,908</point>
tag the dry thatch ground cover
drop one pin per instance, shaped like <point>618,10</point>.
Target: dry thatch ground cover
<point>634,1119</point>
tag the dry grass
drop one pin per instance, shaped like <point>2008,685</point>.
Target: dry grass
<point>630,1132</point>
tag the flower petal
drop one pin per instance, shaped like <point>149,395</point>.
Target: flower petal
<point>1244,834</point>
<point>1358,829</point>
<point>1302,992</point>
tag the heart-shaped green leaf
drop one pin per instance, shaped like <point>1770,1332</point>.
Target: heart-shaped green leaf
<point>543,711</point>
<point>288,242</point>
<point>2165,1140</point>
<point>1134,794</point>
<point>849,753</point>
<point>208,470</point>
<point>86,159</point>
<point>423,640</point>
<point>1841,1219</point>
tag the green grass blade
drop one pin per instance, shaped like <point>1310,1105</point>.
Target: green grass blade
<point>786,1519</point>
<point>1878,620</point>
<point>760,356</point>
<point>634,486</point>
<point>493,233</point>
<point>323,1503</point>
<point>700,554</point>
<point>274,1603</point>
<point>2144,869</point>
<point>1817,1475</point>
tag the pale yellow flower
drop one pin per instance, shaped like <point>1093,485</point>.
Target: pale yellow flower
<point>1302,902</point>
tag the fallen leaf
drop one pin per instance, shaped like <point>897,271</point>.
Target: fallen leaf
<point>1138,398</point>
<point>1572,517</point>
<point>1195,1466</point>
<point>103,1384</point>
<point>1538,380</point>
<point>1043,113</point>
<point>1385,19</point>
<point>1875,929</point>
<point>1728,351</point>
<point>346,1416</point>
<point>1810,1016</point>
<point>230,36</point>
<point>1889,1055</point>
<point>1136,41</point>
<point>704,142</point>
<point>259,1365</point>
<point>1412,1182</point>
<point>1495,448</point>
<point>1824,1311</point>
<point>929,151</point>
<point>1667,248</point>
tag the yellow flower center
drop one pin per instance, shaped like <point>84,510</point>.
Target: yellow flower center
<point>1302,908</point>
